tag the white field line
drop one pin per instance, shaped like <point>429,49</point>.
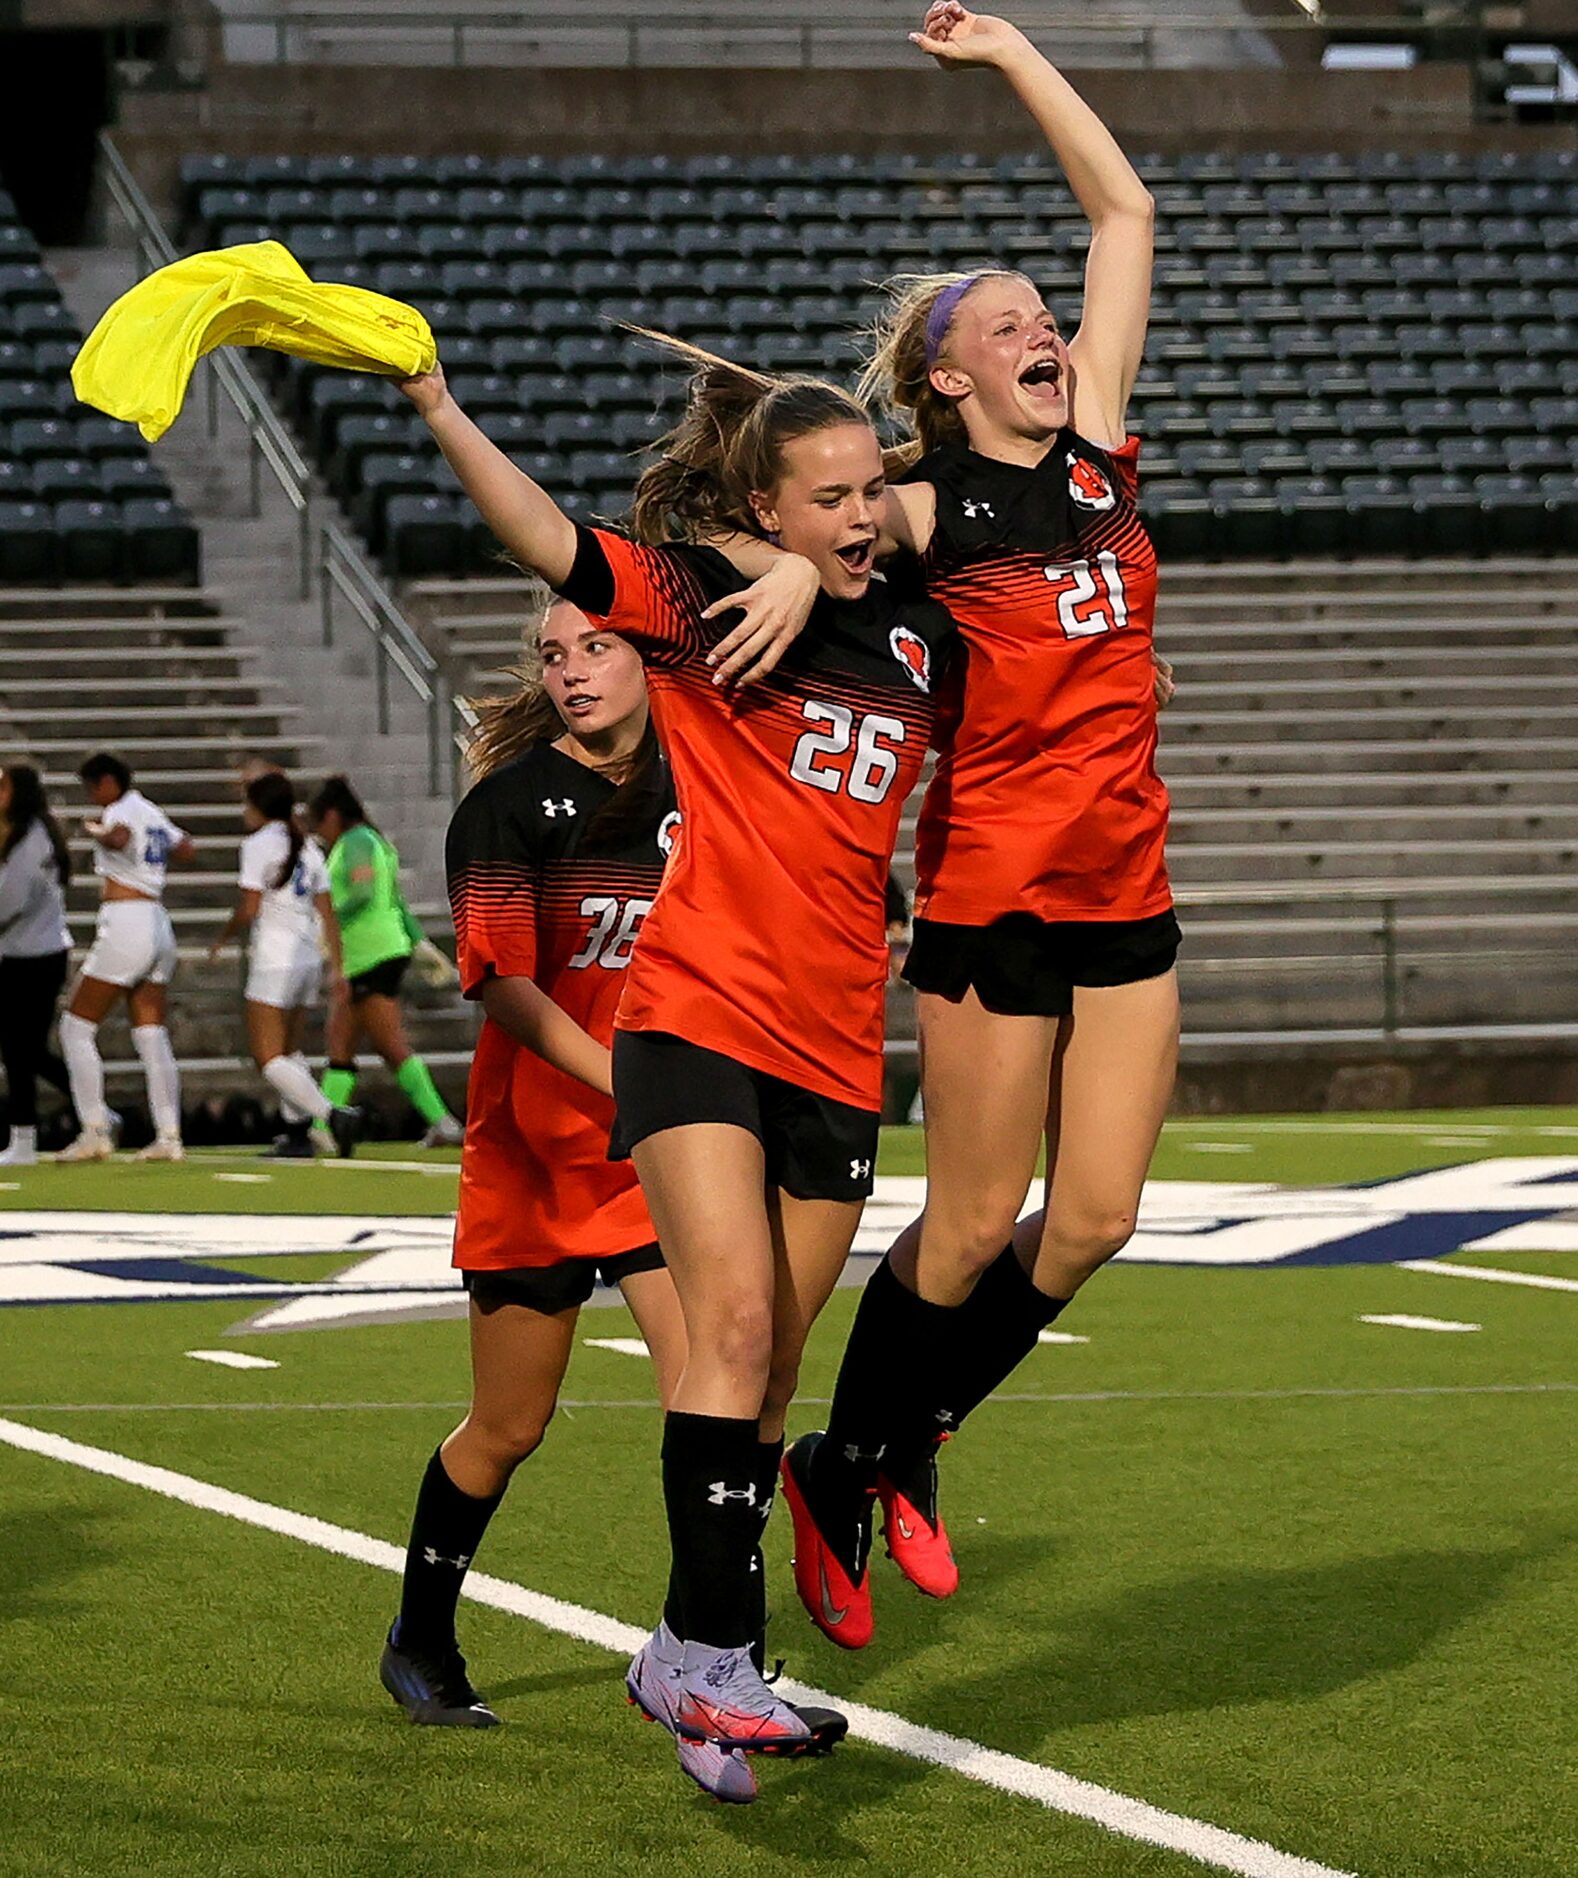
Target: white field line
<point>1490,1274</point>
<point>1058,1792</point>
<point>1078,1398</point>
<point>1400,1320</point>
<point>232,1359</point>
<point>621,1346</point>
<point>1058,1336</point>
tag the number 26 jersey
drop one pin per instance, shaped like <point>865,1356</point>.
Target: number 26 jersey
<point>768,941</point>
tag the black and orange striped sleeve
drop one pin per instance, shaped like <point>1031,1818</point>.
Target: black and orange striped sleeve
<point>650,596</point>
<point>493,868</point>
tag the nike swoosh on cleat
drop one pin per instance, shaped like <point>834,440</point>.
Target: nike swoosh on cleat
<point>833,1615</point>
<point>904,1530</point>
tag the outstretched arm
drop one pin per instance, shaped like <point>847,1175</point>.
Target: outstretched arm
<point>1107,349</point>
<point>526,519</point>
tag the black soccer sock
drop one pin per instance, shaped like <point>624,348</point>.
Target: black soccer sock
<point>991,1334</point>
<point>895,1345</point>
<point>445,1534</point>
<point>711,1492</point>
<point>299,1131</point>
<point>768,1455</point>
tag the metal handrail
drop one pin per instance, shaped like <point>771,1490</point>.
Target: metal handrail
<point>270,442</point>
<point>347,573</point>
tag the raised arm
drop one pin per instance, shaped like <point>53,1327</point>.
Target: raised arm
<point>526,519</point>
<point>1107,349</point>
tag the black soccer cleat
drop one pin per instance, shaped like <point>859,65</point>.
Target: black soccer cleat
<point>289,1148</point>
<point>345,1125</point>
<point>434,1691</point>
<point>827,1726</point>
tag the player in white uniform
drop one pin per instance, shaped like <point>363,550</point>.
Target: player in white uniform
<point>285,905</point>
<point>132,956</point>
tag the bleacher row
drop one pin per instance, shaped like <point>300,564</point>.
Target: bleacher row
<point>1348,354</point>
<point>80,498</point>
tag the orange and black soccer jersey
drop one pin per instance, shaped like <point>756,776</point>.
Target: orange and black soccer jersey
<point>534,897</point>
<point>768,943</point>
<point>1045,798</point>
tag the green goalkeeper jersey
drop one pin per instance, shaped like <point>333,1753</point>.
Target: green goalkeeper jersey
<point>364,883</point>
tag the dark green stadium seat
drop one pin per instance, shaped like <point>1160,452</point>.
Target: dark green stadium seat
<point>29,544</point>
<point>1516,515</point>
<point>386,475</point>
<point>358,437</point>
<point>40,438</point>
<point>1314,515</point>
<point>1382,517</point>
<point>57,479</point>
<point>424,535</point>
<point>1450,520</point>
<point>130,478</point>
<point>161,543</point>
<point>92,541</point>
<point>520,352</point>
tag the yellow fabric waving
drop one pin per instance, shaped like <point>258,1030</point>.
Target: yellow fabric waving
<point>138,361</point>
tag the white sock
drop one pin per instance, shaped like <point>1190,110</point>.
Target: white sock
<point>152,1044</point>
<point>23,1148</point>
<point>79,1045</point>
<point>291,1081</point>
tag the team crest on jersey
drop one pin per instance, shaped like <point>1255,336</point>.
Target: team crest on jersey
<point>913,653</point>
<point>1088,485</point>
<point>668,830</point>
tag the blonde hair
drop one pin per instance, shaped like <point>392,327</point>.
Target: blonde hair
<point>897,374</point>
<point>729,442</point>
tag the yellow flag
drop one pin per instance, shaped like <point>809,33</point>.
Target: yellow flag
<point>138,361</point>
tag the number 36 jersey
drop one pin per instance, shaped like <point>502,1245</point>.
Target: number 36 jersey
<point>1045,798</point>
<point>768,940</point>
<point>534,897</point>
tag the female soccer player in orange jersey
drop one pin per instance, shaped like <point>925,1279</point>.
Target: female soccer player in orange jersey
<point>1044,939</point>
<point>747,1062</point>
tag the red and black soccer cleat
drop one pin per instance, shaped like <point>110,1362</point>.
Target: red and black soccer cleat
<point>837,1603</point>
<point>917,1540</point>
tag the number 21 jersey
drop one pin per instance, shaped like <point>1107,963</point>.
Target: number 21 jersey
<point>1046,798</point>
<point>768,941</point>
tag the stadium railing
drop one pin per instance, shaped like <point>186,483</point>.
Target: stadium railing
<point>345,573</point>
<point>270,442</point>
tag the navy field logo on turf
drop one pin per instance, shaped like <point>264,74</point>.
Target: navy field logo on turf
<point>400,1267</point>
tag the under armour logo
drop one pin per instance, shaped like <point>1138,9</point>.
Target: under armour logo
<point>437,1558</point>
<point>973,508</point>
<point>718,1493</point>
<point>944,1416</point>
<point>855,1455</point>
<point>859,1170</point>
<point>550,808</point>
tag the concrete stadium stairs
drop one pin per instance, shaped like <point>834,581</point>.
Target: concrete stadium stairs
<point>1374,773</point>
<point>186,685</point>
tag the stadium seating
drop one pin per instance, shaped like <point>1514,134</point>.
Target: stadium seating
<point>80,498</point>
<point>1349,355</point>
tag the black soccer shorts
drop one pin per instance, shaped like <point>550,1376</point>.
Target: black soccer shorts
<point>562,1286</point>
<point>816,1148</point>
<point>1021,966</point>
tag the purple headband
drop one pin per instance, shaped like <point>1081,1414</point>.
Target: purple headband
<point>943,308</point>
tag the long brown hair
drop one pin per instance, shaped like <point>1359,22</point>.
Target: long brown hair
<point>30,804</point>
<point>509,724</point>
<point>729,442</point>
<point>897,374</point>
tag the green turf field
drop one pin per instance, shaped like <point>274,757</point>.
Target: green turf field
<point>1239,1556</point>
